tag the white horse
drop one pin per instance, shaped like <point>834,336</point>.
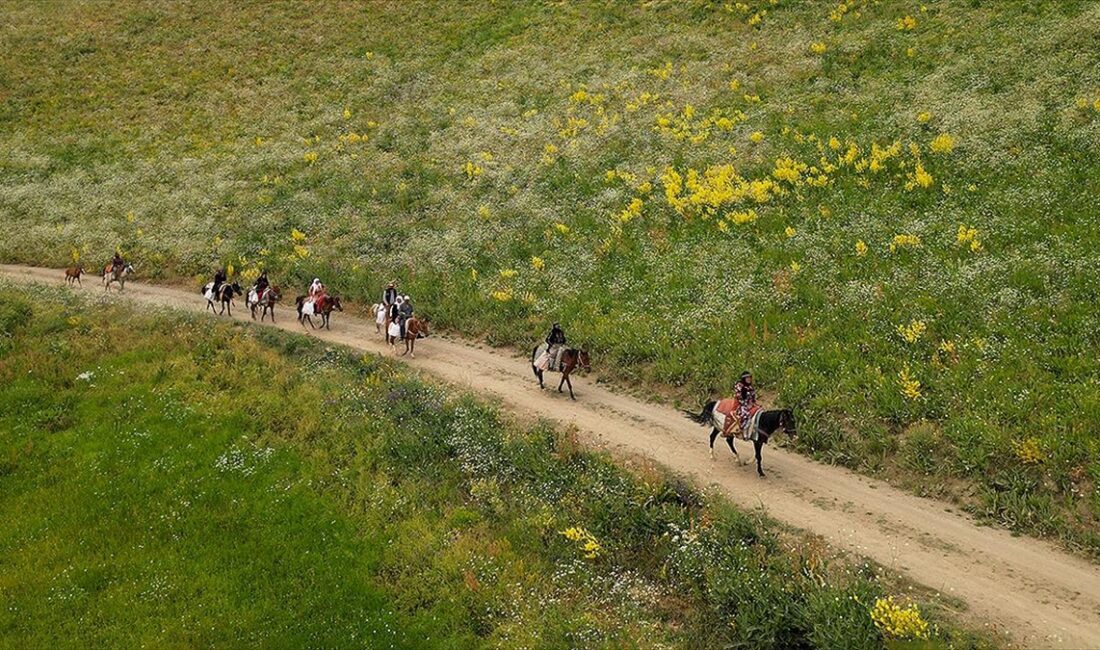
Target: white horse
<point>110,275</point>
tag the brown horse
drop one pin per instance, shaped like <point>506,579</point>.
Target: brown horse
<point>570,359</point>
<point>767,423</point>
<point>73,273</point>
<point>326,304</point>
<point>265,301</point>
<point>414,329</point>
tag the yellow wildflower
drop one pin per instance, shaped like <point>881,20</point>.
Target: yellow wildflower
<point>310,157</point>
<point>818,47</point>
<point>297,235</point>
<point>943,143</point>
<point>586,540</point>
<point>508,274</point>
<point>897,622</point>
<point>757,137</point>
<point>473,274</point>
<point>795,267</point>
<point>789,232</point>
<point>472,170</point>
<point>484,212</point>
<point>968,237</point>
<point>904,241</point>
<point>913,331</point>
<point>910,387</point>
<point>920,176</point>
<point>861,248</point>
<point>561,228</point>
<point>347,113</point>
<point>907,24</point>
<point>501,295</point>
<point>538,263</point>
<point>1029,450</point>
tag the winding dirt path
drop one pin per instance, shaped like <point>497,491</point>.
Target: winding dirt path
<point>1027,589</point>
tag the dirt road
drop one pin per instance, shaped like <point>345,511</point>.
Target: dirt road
<point>1027,589</point>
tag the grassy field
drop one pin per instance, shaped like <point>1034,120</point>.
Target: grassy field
<point>169,482</point>
<point>886,209</point>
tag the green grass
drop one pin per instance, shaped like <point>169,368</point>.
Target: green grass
<point>167,481</point>
<point>195,136</point>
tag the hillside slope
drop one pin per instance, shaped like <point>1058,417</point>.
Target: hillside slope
<point>886,209</point>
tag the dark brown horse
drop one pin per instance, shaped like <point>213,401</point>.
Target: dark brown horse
<point>570,359</point>
<point>767,423</point>
<point>73,273</point>
<point>224,295</point>
<point>265,301</point>
<point>324,307</point>
<point>414,329</point>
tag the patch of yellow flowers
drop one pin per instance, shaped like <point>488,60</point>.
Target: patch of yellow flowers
<point>968,237</point>
<point>901,242</point>
<point>913,331</point>
<point>897,622</point>
<point>910,386</point>
<point>586,540</point>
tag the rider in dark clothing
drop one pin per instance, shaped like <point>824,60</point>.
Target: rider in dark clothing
<point>261,285</point>
<point>389,296</point>
<point>405,311</point>
<point>219,280</point>
<point>117,263</point>
<point>555,345</point>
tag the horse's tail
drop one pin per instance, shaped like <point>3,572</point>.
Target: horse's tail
<point>703,416</point>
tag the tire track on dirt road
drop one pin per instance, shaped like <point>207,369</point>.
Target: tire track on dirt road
<point>1027,589</point>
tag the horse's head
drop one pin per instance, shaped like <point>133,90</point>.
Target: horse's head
<point>128,269</point>
<point>236,288</point>
<point>336,303</point>
<point>786,421</point>
<point>274,294</point>
<point>423,326</point>
<point>584,360</point>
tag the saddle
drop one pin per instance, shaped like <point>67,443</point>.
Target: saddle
<point>731,410</point>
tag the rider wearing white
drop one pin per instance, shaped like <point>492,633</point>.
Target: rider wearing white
<point>316,289</point>
<point>555,345</point>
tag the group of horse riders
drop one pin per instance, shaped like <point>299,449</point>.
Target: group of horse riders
<point>396,309</point>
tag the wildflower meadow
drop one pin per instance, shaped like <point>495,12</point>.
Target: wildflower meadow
<point>886,210</point>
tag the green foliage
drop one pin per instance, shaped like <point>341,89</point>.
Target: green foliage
<point>166,481</point>
<point>430,141</point>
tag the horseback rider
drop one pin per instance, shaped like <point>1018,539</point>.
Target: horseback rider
<point>117,263</point>
<point>745,393</point>
<point>555,345</point>
<point>316,291</point>
<point>261,284</point>
<point>405,312</point>
<point>389,295</point>
<point>219,279</point>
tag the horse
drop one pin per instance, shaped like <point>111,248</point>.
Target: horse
<point>265,301</point>
<point>570,359</point>
<point>324,309</point>
<point>414,329</point>
<point>767,422</point>
<point>225,295</point>
<point>111,275</point>
<point>73,273</point>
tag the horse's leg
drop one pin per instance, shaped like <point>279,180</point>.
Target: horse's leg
<point>758,446</point>
<point>412,347</point>
<point>569,382</point>
<point>562,382</point>
<point>733,448</point>
<point>713,435</point>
